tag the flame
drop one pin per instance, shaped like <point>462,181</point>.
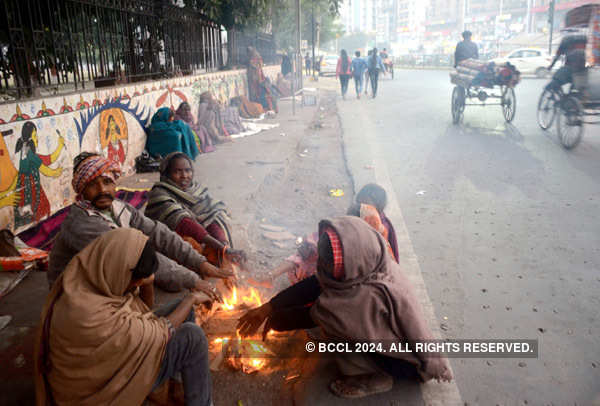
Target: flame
<point>244,355</point>
<point>254,298</point>
<point>230,303</point>
<point>251,299</point>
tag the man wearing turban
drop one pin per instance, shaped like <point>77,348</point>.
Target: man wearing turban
<point>97,211</point>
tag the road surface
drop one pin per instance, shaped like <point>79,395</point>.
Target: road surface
<point>502,225</point>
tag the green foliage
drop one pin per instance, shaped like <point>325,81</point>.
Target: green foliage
<point>325,13</point>
<point>277,16</point>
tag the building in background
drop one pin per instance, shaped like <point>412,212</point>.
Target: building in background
<point>434,26</point>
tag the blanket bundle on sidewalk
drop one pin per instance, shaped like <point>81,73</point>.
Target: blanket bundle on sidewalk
<point>473,72</point>
<point>42,235</point>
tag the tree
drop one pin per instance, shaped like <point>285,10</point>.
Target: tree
<point>325,14</point>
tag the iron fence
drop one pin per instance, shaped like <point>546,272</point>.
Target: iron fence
<point>240,41</point>
<point>63,45</point>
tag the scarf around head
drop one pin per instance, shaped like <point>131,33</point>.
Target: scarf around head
<point>373,301</point>
<point>99,344</point>
<point>184,113</point>
<point>91,168</point>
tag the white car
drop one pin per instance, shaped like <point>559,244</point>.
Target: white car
<point>528,61</point>
<point>329,65</point>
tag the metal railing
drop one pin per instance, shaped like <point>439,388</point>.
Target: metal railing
<point>52,46</point>
<point>264,44</point>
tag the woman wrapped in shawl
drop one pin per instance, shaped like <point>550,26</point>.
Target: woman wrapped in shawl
<point>370,204</point>
<point>187,208</point>
<point>101,344</point>
<point>259,89</point>
<point>210,115</point>
<point>184,113</point>
<point>166,135</point>
<point>358,295</point>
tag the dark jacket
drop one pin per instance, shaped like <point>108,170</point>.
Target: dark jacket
<point>465,50</point>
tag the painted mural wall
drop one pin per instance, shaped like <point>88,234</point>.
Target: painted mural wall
<point>40,138</point>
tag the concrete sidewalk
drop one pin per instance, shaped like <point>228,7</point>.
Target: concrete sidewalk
<point>280,176</point>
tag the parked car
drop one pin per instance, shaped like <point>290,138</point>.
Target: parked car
<point>528,61</point>
<point>329,65</point>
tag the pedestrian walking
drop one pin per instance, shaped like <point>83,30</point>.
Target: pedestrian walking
<point>344,71</point>
<point>307,64</point>
<point>286,64</point>
<point>359,67</point>
<point>366,79</point>
<point>375,66</point>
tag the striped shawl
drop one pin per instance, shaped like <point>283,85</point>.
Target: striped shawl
<point>169,204</point>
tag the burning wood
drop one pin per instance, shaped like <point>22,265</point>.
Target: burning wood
<point>248,355</point>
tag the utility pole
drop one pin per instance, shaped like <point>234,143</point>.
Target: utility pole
<point>462,14</point>
<point>528,17</point>
<point>312,5</point>
<point>551,21</point>
<point>297,60</point>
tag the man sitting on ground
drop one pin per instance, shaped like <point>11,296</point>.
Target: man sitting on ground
<point>97,212</point>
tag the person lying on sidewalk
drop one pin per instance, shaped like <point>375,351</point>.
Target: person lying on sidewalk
<point>104,296</point>
<point>166,135</point>
<point>370,204</point>
<point>186,208</point>
<point>358,295</point>
<point>96,212</point>
<point>247,108</point>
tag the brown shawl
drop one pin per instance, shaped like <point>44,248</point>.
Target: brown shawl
<point>99,345</point>
<point>247,108</point>
<point>374,301</point>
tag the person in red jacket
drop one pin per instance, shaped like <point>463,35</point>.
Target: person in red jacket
<point>344,71</point>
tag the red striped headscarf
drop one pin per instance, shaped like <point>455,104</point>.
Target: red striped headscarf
<point>338,254</point>
<point>93,167</point>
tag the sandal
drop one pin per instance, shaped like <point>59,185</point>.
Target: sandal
<point>360,386</point>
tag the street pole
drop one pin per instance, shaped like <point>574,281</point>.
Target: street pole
<point>528,17</point>
<point>312,5</point>
<point>463,11</point>
<point>297,65</point>
<point>551,21</point>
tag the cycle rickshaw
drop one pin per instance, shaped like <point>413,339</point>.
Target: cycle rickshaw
<point>581,103</point>
<point>475,79</point>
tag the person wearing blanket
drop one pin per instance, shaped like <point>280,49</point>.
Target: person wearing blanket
<point>359,294</point>
<point>100,343</point>
<point>97,211</point>
<point>186,208</point>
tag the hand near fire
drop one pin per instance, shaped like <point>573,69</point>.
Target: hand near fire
<point>237,256</point>
<point>207,288</point>
<point>250,322</point>
<point>210,271</point>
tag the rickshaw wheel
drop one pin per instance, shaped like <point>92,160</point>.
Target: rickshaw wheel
<point>458,104</point>
<point>546,111</point>
<point>570,122</point>
<point>509,104</point>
